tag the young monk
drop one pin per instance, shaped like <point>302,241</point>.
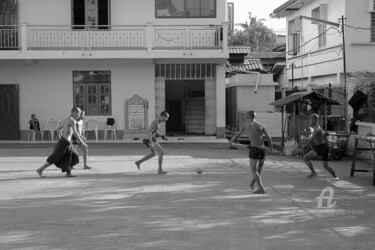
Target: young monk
<point>64,155</point>
<point>153,144</point>
<point>256,132</point>
<point>320,147</point>
<point>81,134</point>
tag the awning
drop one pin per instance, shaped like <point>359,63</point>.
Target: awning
<point>306,96</point>
<point>289,7</point>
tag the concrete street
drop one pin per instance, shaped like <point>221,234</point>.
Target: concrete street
<point>115,206</point>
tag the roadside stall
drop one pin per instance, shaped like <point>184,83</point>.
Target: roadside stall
<point>299,106</point>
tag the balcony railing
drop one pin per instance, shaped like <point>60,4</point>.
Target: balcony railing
<point>145,37</point>
<point>9,37</point>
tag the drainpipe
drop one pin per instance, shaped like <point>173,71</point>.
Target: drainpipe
<point>248,72</point>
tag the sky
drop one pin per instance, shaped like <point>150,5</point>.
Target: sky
<point>260,9</point>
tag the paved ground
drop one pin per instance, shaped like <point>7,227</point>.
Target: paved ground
<point>115,206</point>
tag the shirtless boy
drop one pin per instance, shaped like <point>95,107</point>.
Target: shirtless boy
<point>81,134</point>
<point>64,155</point>
<point>256,132</point>
<point>153,144</point>
<point>320,147</point>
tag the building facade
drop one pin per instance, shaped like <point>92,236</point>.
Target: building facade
<point>97,54</point>
<point>325,41</point>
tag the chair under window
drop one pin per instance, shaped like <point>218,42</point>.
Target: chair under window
<point>110,128</point>
<point>91,125</point>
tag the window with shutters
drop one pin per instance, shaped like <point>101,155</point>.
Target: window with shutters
<point>372,27</point>
<point>294,38</point>
<point>322,28</point>
<point>320,13</point>
<point>92,92</point>
<point>92,14</point>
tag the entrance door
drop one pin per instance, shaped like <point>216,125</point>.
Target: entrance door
<point>174,123</point>
<point>9,112</point>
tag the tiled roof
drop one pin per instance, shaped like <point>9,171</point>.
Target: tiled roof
<point>264,55</point>
<point>248,65</point>
<point>239,50</point>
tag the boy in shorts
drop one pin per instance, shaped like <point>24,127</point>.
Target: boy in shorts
<point>151,142</point>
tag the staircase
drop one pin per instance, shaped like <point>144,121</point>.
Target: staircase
<point>195,115</point>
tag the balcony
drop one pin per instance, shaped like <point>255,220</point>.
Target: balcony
<point>148,41</point>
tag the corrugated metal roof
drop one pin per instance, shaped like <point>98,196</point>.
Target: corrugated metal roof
<point>239,50</point>
<point>264,55</point>
<point>248,65</point>
<point>309,95</point>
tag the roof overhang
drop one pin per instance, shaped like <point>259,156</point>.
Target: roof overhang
<point>305,97</point>
<point>289,7</point>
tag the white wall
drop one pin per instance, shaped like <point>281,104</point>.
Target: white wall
<point>247,99</point>
<point>45,12</point>
<point>46,87</point>
<point>360,53</point>
<point>313,60</point>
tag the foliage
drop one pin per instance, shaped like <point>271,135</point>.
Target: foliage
<point>253,34</point>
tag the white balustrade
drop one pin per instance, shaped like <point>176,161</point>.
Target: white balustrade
<point>145,37</point>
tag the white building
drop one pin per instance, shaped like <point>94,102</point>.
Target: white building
<point>96,54</point>
<point>315,44</point>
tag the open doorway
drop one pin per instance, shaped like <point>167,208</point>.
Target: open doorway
<point>185,101</point>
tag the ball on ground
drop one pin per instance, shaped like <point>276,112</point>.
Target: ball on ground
<point>199,170</point>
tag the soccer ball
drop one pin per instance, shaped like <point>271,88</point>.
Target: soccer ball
<point>199,170</point>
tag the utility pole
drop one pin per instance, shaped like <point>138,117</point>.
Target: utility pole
<point>342,19</point>
<point>344,63</point>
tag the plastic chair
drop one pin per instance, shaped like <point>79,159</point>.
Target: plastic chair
<point>91,125</point>
<point>50,126</point>
<point>58,135</point>
<point>110,128</point>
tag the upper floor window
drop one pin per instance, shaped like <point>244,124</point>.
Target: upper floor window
<point>320,13</point>
<point>294,37</point>
<point>185,8</point>
<point>90,14</point>
<point>92,92</point>
<point>372,27</point>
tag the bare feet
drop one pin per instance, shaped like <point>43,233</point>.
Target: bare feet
<point>138,165</point>
<point>40,173</point>
<point>252,186</point>
<point>70,175</point>
<point>259,191</point>
<point>162,172</point>
<point>312,175</point>
<point>87,167</point>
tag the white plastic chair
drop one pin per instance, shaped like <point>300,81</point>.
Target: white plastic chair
<point>111,129</point>
<point>58,135</point>
<point>91,125</point>
<point>50,126</point>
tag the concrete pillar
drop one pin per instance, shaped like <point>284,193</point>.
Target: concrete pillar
<point>149,36</point>
<point>23,36</point>
<point>220,101</point>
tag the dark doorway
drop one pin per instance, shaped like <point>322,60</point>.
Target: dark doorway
<point>99,14</point>
<point>9,112</point>
<point>174,123</point>
<point>185,102</point>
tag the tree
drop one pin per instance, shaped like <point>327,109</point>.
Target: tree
<point>254,34</point>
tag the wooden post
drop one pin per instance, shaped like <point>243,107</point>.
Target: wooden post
<point>325,116</point>
<point>354,157</point>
